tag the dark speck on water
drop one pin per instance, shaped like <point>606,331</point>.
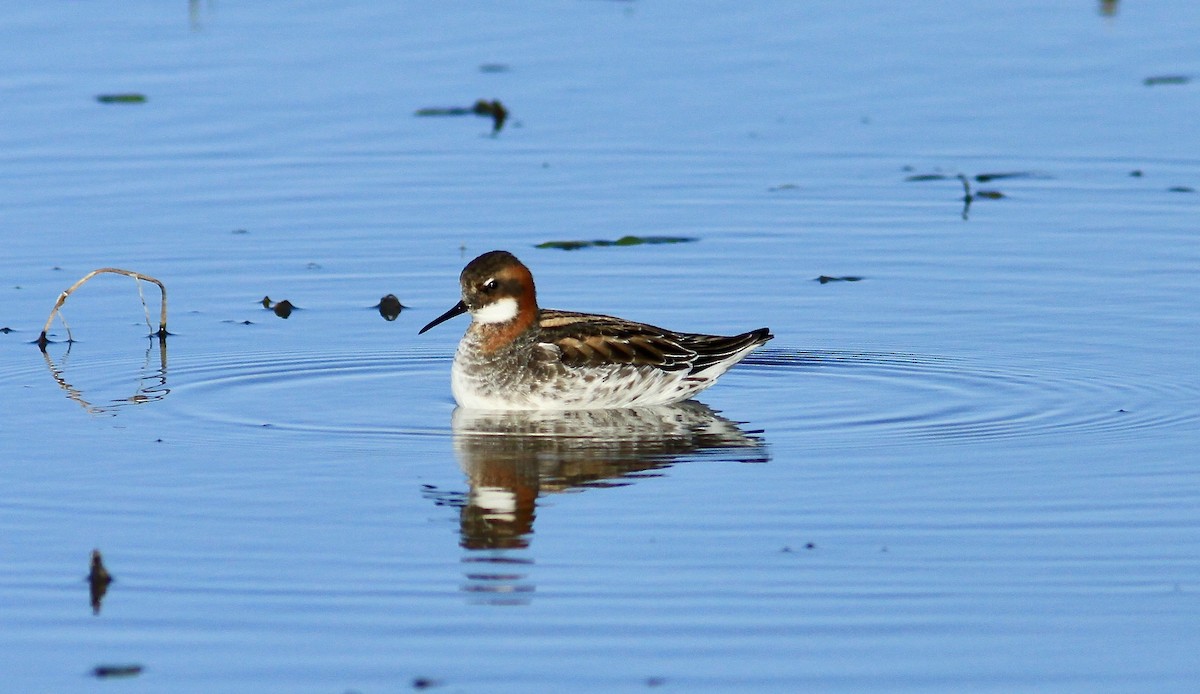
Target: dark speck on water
<point>98,581</point>
<point>826,279</point>
<point>390,307</point>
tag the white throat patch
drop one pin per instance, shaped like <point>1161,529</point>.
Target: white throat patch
<point>499,311</point>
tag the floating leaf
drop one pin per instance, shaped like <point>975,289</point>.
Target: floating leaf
<point>130,98</point>
<point>985,177</point>
<point>103,671</point>
<point>1166,79</point>
<point>623,241</point>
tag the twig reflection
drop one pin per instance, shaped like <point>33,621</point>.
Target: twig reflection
<point>151,386</point>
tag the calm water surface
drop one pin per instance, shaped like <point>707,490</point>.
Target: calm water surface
<point>972,469</point>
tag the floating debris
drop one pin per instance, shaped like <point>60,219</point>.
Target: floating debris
<point>981,178</point>
<point>106,671</point>
<point>425,683</point>
<point>128,98</point>
<point>623,241</point>
<point>989,194</point>
<point>826,279</point>
<point>494,109</point>
<point>283,309</point>
<point>1166,79</point>
<point>162,333</point>
<point>389,307</point>
<point>783,187</point>
<point>927,177</point>
<point>985,177</point>
<point>492,68</point>
<point>1136,173</point>
<point>98,580</point>
<point>1181,189</point>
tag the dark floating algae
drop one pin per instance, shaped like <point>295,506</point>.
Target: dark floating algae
<point>493,109</point>
<point>979,178</point>
<point>826,279</point>
<point>98,580</point>
<point>623,241</point>
<point>927,177</point>
<point>985,177</point>
<point>1181,189</point>
<point>389,307</point>
<point>1166,79</point>
<point>970,196</point>
<point>128,98</point>
<point>106,671</point>
<point>492,68</point>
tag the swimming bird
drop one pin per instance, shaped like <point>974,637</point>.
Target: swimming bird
<point>516,356</point>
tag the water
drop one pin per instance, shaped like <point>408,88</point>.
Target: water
<point>972,469</point>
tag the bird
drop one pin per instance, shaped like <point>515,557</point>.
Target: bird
<point>517,356</point>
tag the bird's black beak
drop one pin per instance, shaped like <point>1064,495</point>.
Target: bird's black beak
<point>458,309</point>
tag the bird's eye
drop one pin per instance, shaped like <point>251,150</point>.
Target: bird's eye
<point>490,285</point>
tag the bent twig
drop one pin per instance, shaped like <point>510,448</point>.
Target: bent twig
<point>137,276</point>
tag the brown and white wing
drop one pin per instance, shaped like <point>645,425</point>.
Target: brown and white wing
<point>580,340</point>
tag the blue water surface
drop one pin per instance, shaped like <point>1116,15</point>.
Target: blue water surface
<point>966,462</point>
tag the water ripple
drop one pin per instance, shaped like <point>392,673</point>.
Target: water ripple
<point>888,397</point>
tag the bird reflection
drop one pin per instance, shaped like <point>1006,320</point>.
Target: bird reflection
<point>151,386</point>
<point>512,458</point>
